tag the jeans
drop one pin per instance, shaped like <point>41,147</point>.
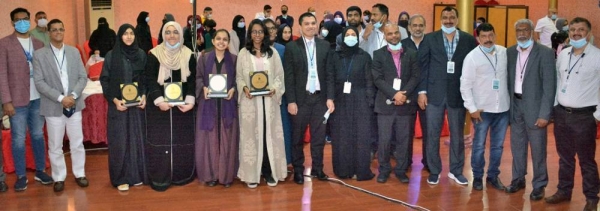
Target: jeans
<point>28,117</point>
<point>496,123</point>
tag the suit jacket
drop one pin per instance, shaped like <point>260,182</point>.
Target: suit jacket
<point>435,80</point>
<point>384,73</point>
<point>296,70</point>
<point>539,83</point>
<point>14,70</point>
<point>409,43</point>
<point>47,80</point>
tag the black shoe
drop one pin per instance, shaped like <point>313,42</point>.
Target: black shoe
<point>515,186</point>
<point>211,183</point>
<point>591,205</point>
<point>3,187</point>
<point>82,182</point>
<point>478,184</point>
<point>495,182</point>
<point>298,177</point>
<point>227,185</point>
<point>558,197</point>
<point>59,186</point>
<point>271,182</point>
<point>402,177</point>
<point>537,194</point>
<point>382,178</point>
<point>319,175</point>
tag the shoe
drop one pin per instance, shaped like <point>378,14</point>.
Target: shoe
<point>138,184</point>
<point>515,186</point>
<point>21,184</point>
<point>271,182</point>
<point>537,194</point>
<point>319,175</point>
<point>558,197</point>
<point>123,187</point>
<point>460,179</point>
<point>382,178</point>
<point>59,186</point>
<point>591,205</point>
<point>402,177</point>
<point>43,178</point>
<point>211,183</point>
<point>3,187</point>
<point>227,185</point>
<point>477,184</point>
<point>298,178</point>
<point>426,168</point>
<point>495,182</point>
<point>82,182</point>
<point>433,179</point>
<point>252,185</point>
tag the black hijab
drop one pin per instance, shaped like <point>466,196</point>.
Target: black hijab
<point>279,38</point>
<point>346,50</point>
<point>241,32</point>
<point>129,51</point>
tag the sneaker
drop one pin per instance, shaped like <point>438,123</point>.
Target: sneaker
<point>21,184</point>
<point>271,182</point>
<point>123,187</point>
<point>460,179</point>
<point>43,178</point>
<point>433,179</point>
<point>252,185</point>
<point>3,186</point>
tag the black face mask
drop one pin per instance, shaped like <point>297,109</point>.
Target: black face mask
<point>284,12</point>
<point>403,23</point>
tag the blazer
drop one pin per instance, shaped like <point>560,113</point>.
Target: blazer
<point>539,83</point>
<point>14,70</point>
<point>384,73</point>
<point>295,67</point>
<point>433,59</point>
<point>47,80</point>
<point>409,43</point>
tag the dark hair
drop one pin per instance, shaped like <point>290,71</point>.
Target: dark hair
<point>39,13</point>
<point>18,10</point>
<point>265,47</point>
<point>486,27</point>
<point>53,21</point>
<point>383,9</point>
<point>558,38</point>
<point>267,7</point>
<point>581,20</point>
<point>285,6</point>
<point>482,19</point>
<point>210,23</point>
<point>222,30</point>
<point>268,20</point>
<point>450,9</point>
<point>206,9</point>
<point>353,8</point>
<point>367,12</point>
<point>305,15</point>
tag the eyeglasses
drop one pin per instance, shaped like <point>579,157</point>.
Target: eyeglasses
<point>259,32</point>
<point>55,30</point>
<point>174,32</point>
<point>272,28</point>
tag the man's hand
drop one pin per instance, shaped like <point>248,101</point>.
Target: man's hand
<point>541,123</point>
<point>293,109</point>
<point>476,116</point>
<point>68,101</point>
<point>368,30</point>
<point>9,109</point>
<point>422,101</point>
<point>330,106</point>
<point>400,98</point>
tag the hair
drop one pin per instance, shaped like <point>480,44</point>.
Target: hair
<point>285,6</point>
<point>486,27</point>
<point>581,20</point>
<point>268,20</point>
<point>450,9</point>
<point>210,23</point>
<point>353,8</point>
<point>222,30</point>
<point>207,9</point>
<point>482,19</point>
<point>524,21</point>
<point>18,10</point>
<point>267,7</point>
<point>367,12</point>
<point>53,21</point>
<point>403,13</point>
<point>265,46</point>
<point>383,9</point>
<point>305,15</point>
<point>415,16</point>
<point>40,13</point>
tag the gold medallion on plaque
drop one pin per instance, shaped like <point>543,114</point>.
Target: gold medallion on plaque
<point>259,83</point>
<point>174,93</point>
<point>130,94</point>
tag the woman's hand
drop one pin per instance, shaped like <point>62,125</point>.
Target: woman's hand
<point>186,107</point>
<point>163,106</point>
<point>142,104</point>
<point>206,92</point>
<point>230,94</point>
<point>119,104</point>
<point>247,92</point>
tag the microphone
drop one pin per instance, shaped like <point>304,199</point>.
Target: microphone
<point>389,102</point>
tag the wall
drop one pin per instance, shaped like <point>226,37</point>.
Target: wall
<point>126,11</point>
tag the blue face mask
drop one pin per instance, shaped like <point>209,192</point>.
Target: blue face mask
<point>172,46</point>
<point>22,26</point>
<point>565,28</point>
<point>448,30</point>
<point>351,41</point>
<point>486,49</point>
<point>553,17</point>
<point>396,47</point>
<point>578,43</point>
<point>378,24</point>
<point>525,44</point>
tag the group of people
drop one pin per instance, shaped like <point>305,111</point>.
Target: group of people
<point>368,84</point>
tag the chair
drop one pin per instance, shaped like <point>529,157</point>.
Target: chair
<point>86,47</point>
<point>84,56</point>
<point>95,70</point>
<point>154,42</point>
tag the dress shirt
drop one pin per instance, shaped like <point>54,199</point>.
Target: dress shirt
<point>311,52</point>
<point>546,27</point>
<point>582,86</point>
<point>450,46</point>
<point>375,41</point>
<point>61,66</point>
<point>522,59</point>
<point>397,61</point>
<point>479,71</point>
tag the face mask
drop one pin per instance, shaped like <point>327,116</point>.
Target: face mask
<point>42,22</point>
<point>403,23</point>
<point>190,22</point>
<point>172,46</point>
<point>525,44</point>
<point>338,20</point>
<point>324,32</point>
<point>284,12</point>
<point>377,25</point>
<point>241,24</point>
<point>565,28</point>
<point>313,13</point>
<point>578,43</point>
<point>209,16</point>
<point>351,41</point>
<point>147,19</point>
<point>22,26</point>
<point>396,47</point>
<point>198,25</point>
<point>553,17</point>
<point>261,18</point>
<point>448,30</point>
<point>486,49</point>
<point>477,25</point>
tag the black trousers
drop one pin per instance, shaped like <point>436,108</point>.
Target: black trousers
<point>311,112</point>
<point>575,132</point>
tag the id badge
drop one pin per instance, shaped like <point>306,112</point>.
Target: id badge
<point>347,87</point>
<point>450,67</point>
<point>312,74</point>
<point>495,84</point>
<point>397,84</point>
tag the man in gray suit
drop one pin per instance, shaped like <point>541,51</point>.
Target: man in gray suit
<point>531,85</point>
<point>60,78</point>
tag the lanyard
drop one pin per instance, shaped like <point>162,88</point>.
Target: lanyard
<point>523,65</point>
<point>488,58</point>
<point>60,65</point>
<point>449,46</point>
<point>572,67</point>
<point>310,53</point>
<point>348,68</point>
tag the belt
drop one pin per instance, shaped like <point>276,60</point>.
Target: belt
<point>518,96</point>
<point>314,93</point>
<point>589,109</point>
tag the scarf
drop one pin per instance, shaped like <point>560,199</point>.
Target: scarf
<point>172,59</point>
<point>209,110</point>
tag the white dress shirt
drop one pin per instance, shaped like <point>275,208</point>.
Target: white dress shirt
<point>61,64</point>
<point>546,27</point>
<point>580,88</point>
<point>476,83</point>
<point>311,52</point>
<point>375,41</point>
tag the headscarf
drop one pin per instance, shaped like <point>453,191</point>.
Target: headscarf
<point>241,33</point>
<point>560,22</point>
<point>172,59</point>
<point>343,23</point>
<point>328,17</point>
<point>279,38</point>
<point>334,30</point>
<point>142,32</point>
<point>346,50</point>
<point>403,13</point>
<point>131,52</point>
<point>141,19</point>
<point>168,17</point>
<point>102,24</point>
<point>103,38</point>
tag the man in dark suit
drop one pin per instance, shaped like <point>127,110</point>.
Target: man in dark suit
<point>441,55</point>
<point>284,17</point>
<point>307,95</point>
<point>396,76</point>
<point>416,26</point>
<point>21,101</point>
<point>531,85</point>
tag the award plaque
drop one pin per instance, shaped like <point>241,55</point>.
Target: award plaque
<point>259,83</point>
<point>217,85</point>
<point>174,93</point>
<point>130,94</point>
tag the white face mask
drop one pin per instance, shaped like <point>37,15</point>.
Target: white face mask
<point>42,22</point>
<point>313,13</point>
<point>198,25</point>
<point>209,16</point>
<point>324,32</point>
<point>241,25</point>
<point>338,20</point>
<point>147,19</point>
<point>190,22</point>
